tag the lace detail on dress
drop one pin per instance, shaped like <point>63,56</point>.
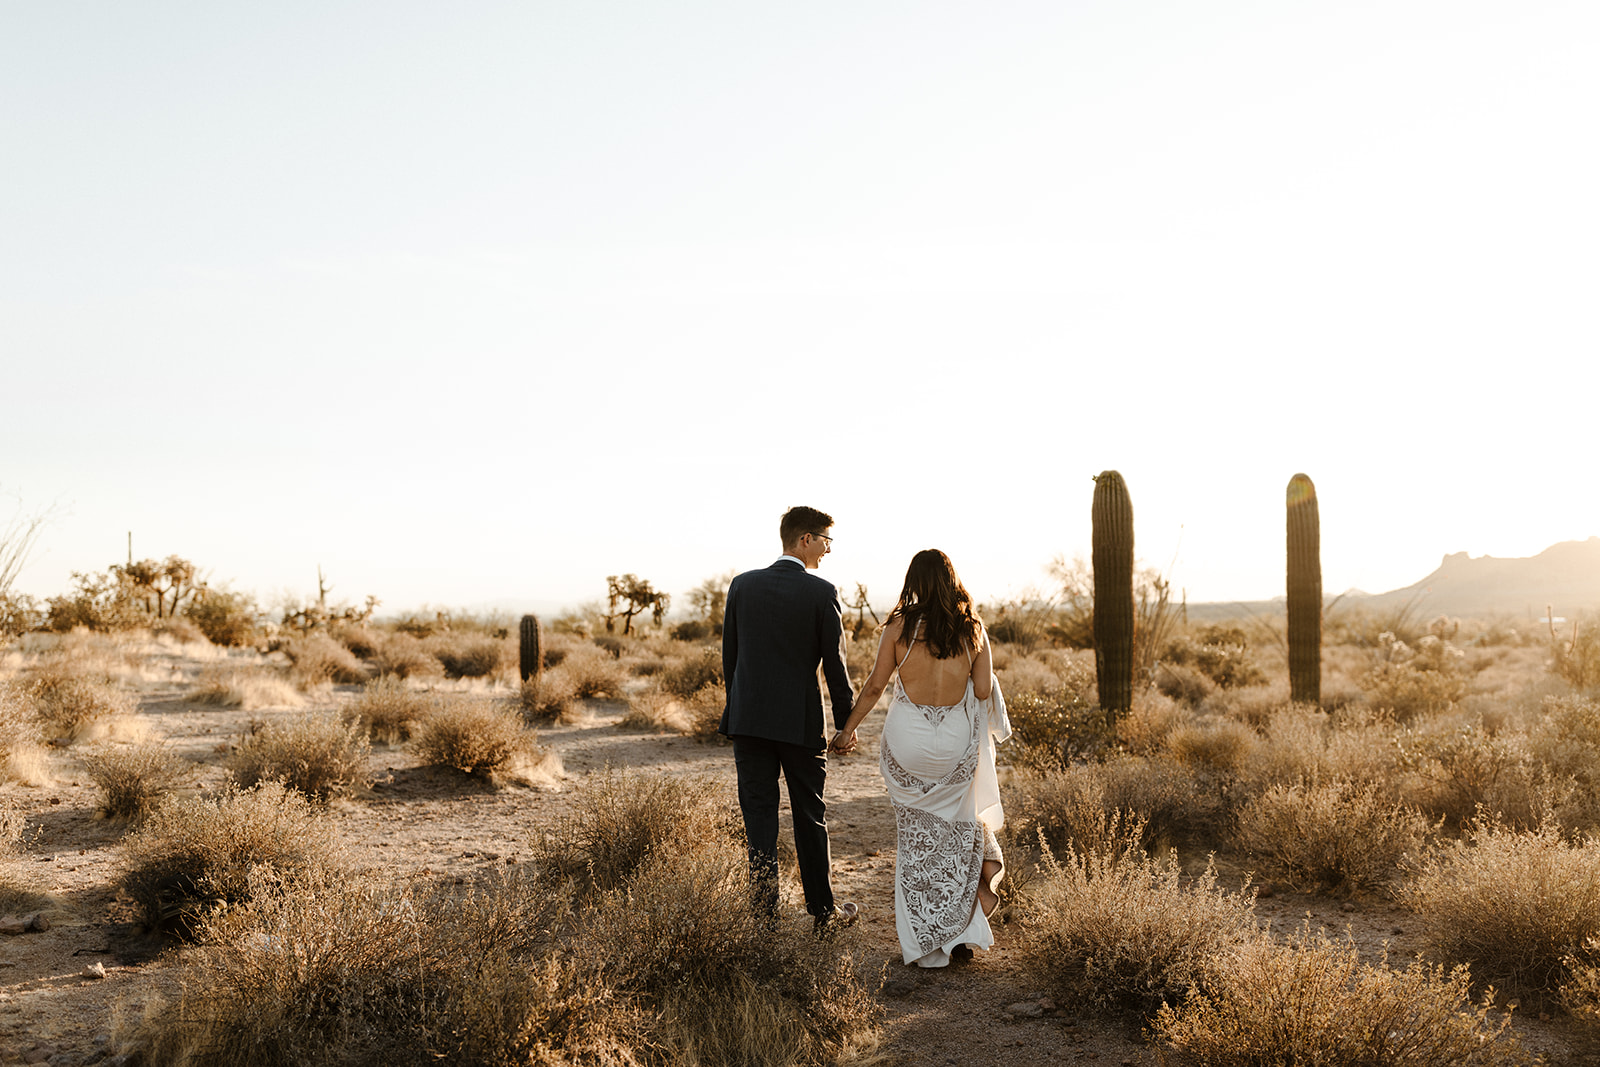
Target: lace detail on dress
<point>932,712</point>
<point>938,868</point>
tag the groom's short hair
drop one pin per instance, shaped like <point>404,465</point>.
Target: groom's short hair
<point>800,521</point>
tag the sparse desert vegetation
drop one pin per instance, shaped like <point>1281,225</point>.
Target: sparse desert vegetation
<point>372,840</point>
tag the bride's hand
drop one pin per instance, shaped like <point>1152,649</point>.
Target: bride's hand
<point>842,742</point>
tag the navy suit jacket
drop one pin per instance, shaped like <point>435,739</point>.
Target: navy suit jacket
<point>778,624</point>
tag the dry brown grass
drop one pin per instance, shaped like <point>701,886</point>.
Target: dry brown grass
<point>466,655</point>
<point>1114,928</point>
<point>75,702</point>
<point>1521,907</point>
<point>193,856</point>
<point>1330,835</point>
<point>405,656</point>
<point>132,780</point>
<point>21,737</point>
<point>1312,1001</point>
<point>245,688</point>
<point>315,753</point>
<point>594,674</point>
<point>549,697</point>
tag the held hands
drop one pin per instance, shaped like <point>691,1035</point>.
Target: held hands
<point>843,743</point>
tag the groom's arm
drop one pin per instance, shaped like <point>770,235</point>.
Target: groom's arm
<point>830,633</point>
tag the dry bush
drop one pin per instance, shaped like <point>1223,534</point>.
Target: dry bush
<point>466,655</point>
<point>318,659</point>
<point>1151,720</point>
<point>623,817</point>
<point>730,987</point>
<point>1185,684</point>
<point>1174,802</point>
<point>594,674</point>
<point>1219,653</point>
<point>1333,834</point>
<point>705,710</point>
<point>549,697</point>
<point>389,711</point>
<point>315,753</point>
<point>475,736</point>
<point>193,856</point>
<point>1060,811</point>
<point>133,780</point>
<point>339,970</point>
<point>245,688</point>
<point>1521,907</point>
<point>1055,726</point>
<point>1456,769</point>
<point>1254,705</point>
<point>691,674</point>
<point>13,828</point>
<point>1303,744</point>
<point>1114,928</point>
<point>21,738</point>
<point>658,711</point>
<point>19,885</point>
<point>1312,1001</point>
<point>1221,746</point>
<point>1565,742</point>
<point>75,702</point>
<point>180,629</point>
<point>1416,681</point>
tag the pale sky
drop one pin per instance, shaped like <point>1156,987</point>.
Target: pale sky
<point>485,301</point>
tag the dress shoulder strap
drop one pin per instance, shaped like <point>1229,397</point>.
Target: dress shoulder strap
<point>907,656</point>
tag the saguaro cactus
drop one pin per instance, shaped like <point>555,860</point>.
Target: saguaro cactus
<point>530,648</point>
<point>1113,593</point>
<point>1305,592</point>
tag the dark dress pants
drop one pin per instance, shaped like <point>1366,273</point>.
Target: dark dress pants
<point>758,762</point>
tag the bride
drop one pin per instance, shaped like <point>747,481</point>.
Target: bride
<point>937,758</point>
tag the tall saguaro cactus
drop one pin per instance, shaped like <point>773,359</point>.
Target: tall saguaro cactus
<point>530,649</point>
<point>1305,592</point>
<point>1113,593</point>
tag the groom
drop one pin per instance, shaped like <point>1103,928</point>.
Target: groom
<point>779,623</point>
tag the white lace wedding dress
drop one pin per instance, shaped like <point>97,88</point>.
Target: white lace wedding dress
<point>938,766</point>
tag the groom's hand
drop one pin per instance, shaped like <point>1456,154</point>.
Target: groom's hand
<point>842,743</point>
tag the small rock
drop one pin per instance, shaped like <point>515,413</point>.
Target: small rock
<point>55,800</point>
<point>37,923</point>
<point>12,926</point>
<point>95,970</point>
<point>875,852</point>
<point>1347,906</point>
<point>898,987</point>
<point>1047,1004</point>
<point>1264,893</point>
<point>1028,1009</point>
<point>1398,931</point>
<point>39,1054</point>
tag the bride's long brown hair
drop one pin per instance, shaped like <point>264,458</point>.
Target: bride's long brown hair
<point>935,599</point>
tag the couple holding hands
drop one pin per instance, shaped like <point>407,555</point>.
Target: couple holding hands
<point>936,751</point>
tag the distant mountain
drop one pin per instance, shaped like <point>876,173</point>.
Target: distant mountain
<point>1565,576</point>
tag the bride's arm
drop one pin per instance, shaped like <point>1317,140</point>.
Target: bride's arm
<point>876,683</point>
<point>983,667</point>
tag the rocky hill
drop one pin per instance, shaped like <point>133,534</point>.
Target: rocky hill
<point>1565,576</point>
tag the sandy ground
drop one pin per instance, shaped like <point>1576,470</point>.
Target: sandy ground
<point>418,819</point>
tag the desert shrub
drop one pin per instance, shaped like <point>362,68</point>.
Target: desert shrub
<point>1182,683</point>
<point>181,629</point>
<point>344,971</point>
<point>1062,810</point>
<point>13,830</point>
<point>405,656</point>
<point>359,638</point>
<point>73,704</point>
<point>1174,802</point>
<point>193,856</point>
<point>624,817</point>
<point>1221,746</point>
<point>1565,742</point>
<point>1577,659</point>
<point>389,710</point>
<point>1220,653</point>
<point>1521,907</point>
<point>1333,834</point>
<point>1253,705</point>
<point>692,674</point>
<point>691,630</point>
<point>610,643</point>
<point>1411,682</point>
<point>1312,1001</point>
<point>315,753</point>
<point>705,710</point>
<point>1304,744</point>
<point>21,739</point>
<point>319,659</point>
<point>1456,770</point>
<point>549,697</point>
<point>594,675</point>
<point>730,987</point>
<point>467,656</point>
<point>1054,726</point>
<point>19,614</point>
<point>477,737</point>
<point>657,710</point>
<point>1114,928</point>
<point>245,688</point>
<point>133,780</point>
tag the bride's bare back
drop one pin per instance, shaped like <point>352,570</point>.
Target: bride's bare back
<point>940,682</point>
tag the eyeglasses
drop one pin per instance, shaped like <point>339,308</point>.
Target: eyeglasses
<point>825,537</point>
